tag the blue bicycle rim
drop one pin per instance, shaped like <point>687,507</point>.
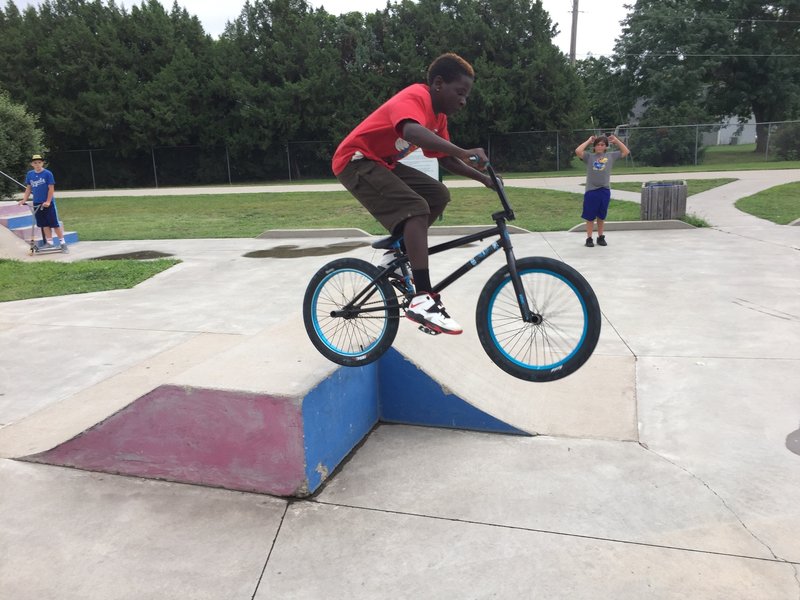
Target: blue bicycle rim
<point>323,337</point>
<point>554,365</point>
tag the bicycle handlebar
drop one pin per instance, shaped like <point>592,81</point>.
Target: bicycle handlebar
<point>499,188</point>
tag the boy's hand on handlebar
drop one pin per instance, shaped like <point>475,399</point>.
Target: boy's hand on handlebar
<point>487,181</point>
<point>477,158</point>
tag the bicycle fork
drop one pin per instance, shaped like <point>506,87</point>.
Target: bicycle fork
<point>528,316</point>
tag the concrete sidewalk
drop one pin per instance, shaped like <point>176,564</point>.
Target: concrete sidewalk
<point>663,469</point>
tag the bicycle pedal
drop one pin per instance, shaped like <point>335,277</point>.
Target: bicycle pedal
<point>427,330</point>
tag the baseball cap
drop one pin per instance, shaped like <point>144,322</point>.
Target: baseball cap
<point>36,157</point>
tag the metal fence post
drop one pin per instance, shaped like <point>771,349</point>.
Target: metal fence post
<point>91,166</point>
<point>228,162</point>
<point>155,173</point>
<point>289,161</point>
<point>766,149</point>
<point>696,137</point>
<point>558,153</point>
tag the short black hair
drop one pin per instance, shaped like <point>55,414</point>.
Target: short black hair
<point>450,67</point>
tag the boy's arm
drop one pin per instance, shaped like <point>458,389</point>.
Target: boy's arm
<point>423,137</point>
<point>418,135</point>
<point>458,167</point>
<point>26,194</point>
<point>51,190</point>
<point>623,149</point>
<point>582,148</point>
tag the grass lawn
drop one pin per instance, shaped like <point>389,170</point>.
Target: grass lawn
<point>247,215</point>
<point>780,204</point>
<point>734,157</point>
<point>19,280</point>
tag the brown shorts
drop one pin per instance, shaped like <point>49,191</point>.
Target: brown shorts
<point>392,196</point>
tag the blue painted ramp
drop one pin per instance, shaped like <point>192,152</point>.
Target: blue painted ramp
<point>407,395</point>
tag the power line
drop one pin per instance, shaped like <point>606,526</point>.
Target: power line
<point>742,20</point>
<point>684,55</point>
<point>681,54</point>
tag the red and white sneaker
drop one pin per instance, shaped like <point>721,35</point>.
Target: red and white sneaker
<point>427,309</point>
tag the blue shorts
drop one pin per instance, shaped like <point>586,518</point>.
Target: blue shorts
<point>595,204</point>
<point>47,216</point>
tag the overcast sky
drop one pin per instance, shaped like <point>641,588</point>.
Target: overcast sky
<point>598,20</point>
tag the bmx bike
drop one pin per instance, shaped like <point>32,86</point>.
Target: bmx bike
<point>537,318</point>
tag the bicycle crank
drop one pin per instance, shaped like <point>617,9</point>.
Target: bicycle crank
<point>427,330</point>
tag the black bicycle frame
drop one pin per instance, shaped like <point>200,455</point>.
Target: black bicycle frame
<point>504,242</point>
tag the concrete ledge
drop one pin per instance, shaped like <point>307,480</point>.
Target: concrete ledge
<point>276,234</point>
<point>638,225</point>
<point>354,232</point>
<point>468,229</point>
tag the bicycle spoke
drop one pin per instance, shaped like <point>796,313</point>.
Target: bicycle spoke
<point>353,334</point>
<point>549,342</point>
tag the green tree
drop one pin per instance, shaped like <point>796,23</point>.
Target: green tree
<point>101,76</point>
<point>609,104</point>
<point>19,139</point>
<point>726,57</point>
<point>523,82</point>
<point>665,146</point>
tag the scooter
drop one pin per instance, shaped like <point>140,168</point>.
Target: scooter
<point>34,247</point>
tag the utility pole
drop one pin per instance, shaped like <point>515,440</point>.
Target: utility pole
<point>574,39</point>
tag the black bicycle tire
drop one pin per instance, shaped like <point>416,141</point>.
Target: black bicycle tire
<point>315,330</point>
<point>589,328</point>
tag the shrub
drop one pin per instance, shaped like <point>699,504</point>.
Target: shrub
<point>19,139</point>
<point>786,141</point>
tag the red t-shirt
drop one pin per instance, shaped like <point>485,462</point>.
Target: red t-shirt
<point>378,136</point>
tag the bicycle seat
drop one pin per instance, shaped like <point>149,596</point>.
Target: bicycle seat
<point>388,242</point>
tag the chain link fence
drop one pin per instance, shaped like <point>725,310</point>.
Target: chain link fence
<point>516,152</point>
<point>667,146</point>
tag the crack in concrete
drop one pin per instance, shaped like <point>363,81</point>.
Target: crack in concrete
<point>765,310</point>
<point>752,534</point>
<point>546,531</point>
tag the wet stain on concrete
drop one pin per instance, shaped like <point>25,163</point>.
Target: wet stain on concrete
<point>138,255</point>
<point>292,251</point>
<point>793,441</point>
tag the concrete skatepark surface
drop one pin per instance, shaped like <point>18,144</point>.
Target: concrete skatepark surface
<point>662,469</point>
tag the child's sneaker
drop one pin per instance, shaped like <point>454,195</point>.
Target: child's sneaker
<point>427,310</point>
<point>589,243</point>
<point>64,248</point>
<point>601,240</point>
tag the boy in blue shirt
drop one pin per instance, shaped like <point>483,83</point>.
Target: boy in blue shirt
<point>41,184</point>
